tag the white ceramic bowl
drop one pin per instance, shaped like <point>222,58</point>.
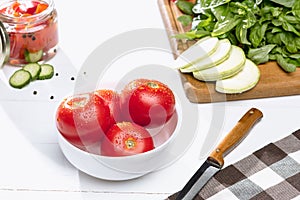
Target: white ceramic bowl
<point>127,167</point>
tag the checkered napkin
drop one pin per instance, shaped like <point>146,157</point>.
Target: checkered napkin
<point>272,172</point>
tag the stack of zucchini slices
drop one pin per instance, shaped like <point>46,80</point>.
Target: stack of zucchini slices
<point>211,59</point>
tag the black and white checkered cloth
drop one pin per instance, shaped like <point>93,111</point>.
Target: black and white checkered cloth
<point>272,172</point>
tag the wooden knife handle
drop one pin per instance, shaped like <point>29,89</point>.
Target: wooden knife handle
<point>235,136</point>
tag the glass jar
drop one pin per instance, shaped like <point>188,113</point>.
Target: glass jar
<point>30,31</point>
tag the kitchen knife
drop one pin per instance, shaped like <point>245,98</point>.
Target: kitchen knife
<point>215,161</point>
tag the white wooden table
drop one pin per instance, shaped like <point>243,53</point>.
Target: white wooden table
<point>32,164</point>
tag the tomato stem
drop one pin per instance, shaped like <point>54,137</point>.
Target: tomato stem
<point>130,143</point>
<point>153,85</point>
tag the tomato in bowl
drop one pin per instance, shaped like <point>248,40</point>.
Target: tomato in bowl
<point>127,167</point>
<point>127,149</point>
<point>147,102</point>
<point>83,119</point>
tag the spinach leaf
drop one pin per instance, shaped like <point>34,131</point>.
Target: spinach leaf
<point>286,3</point>
<point>260,55</point>
<point>295,62</point>
<point>208,4</point>
<point>216,3</point>
<point>276,30</point>
<point>226,25</point>
<point>288,39</point>
<point>284,64</point>
<point>185,6</point>
<point>274,11</point>
<point>257,33</point>
<point>273,38</point>
<point>280,50</point>
<point>277,22</point>
<point>291,19</point>
<point>297,42</point>
<point>258,2</point>
<point>288,27</point>
<point>204,20</point>
<point>296,9</point>
<point>220,11</point>
<point>295,56</point>
<point>185,20</point>
<point>241,34</point>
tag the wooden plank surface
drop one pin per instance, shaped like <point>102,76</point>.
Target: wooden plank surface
<point>274,82</point>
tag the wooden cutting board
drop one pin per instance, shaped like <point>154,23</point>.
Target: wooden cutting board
<point>274,82</point>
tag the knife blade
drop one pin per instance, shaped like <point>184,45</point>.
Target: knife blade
<point>215,160</point>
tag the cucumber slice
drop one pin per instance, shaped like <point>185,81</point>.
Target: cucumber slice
<point>34,69</point>
<point>243,81</point>
<point>32,57</point>
<point>200,50</point>
<point>20,79</point>
<point>220,55</point>
<point>47,72</point>
<point>230,67</point>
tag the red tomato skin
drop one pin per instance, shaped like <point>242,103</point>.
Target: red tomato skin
<point>83,125</point>
<point>148,103</point>
<point>112,99</point>
<point>115,143</point>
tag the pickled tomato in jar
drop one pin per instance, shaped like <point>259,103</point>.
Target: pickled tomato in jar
<point>31,26</point>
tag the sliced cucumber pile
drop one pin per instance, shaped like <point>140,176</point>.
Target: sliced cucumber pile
<point>227,65</point>
<point>31,72</point>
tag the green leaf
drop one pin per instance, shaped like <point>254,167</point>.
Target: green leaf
<point>295,56</point>
<point>232,38</point>
<point>227,25</point>
<point>204,20</point>
<point>203,5</point>
<point>257,34</point>
<point>295,62</point>
<point>258,2</point>
<point>260,55</point>
<point>185,20</point>
<point>274,11</point>
<point>288,27</point>
<point>285,64</point>
<point>241,34</point>
<point>273,38</point>
<point>297,42</point>
<point>286,3</point>
<point>220,11</point>
<point>185,6</point>
<point>291,19</point>
<point>288,39</point>
<point>277,22</point>
<point>296,9</point>
<point>276,30</point>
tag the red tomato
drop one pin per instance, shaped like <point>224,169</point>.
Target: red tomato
<point>125,139</point>
<point>112,99</point>
<point>147,102</point>
<point>83,119</point>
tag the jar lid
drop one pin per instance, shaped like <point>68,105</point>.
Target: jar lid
<point>4,45</point>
